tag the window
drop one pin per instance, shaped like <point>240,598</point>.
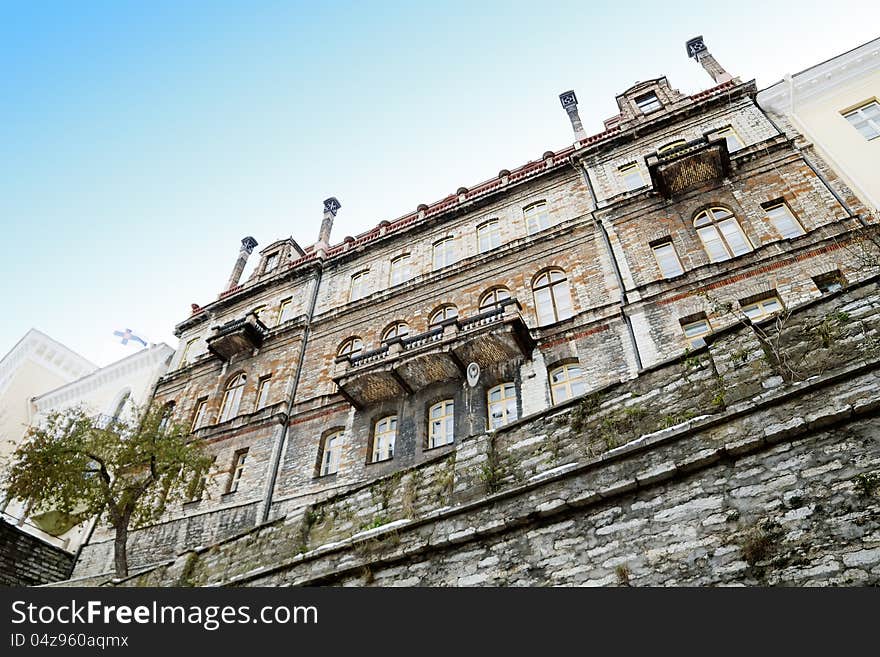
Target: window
<point>783,220</point>
<point>184,359</point>
<point>721,234</point>
<point>631,175</point>
<point>232,397</point>
<point>668,148</point>
<point>667,259</point>
<point>400,270</point>
<point>493,298</point>
<point>444,253</point>
<point>120,405</point>
<point>695,331</point>
<point>396,330</point>
<point>384,436</point>
<point>734,143</point>
<point>351,348</point>
<point>199,415</point>
<point>330,454</point>
<point>165,418</point>
<point>758,310</point>
<point>866,119</point>
<point>263,392</point>
<point>197,486</point>
<point>358,289</point>
<point>566,382</point>
<point>831,281</point>
<point>552,297</point>
<point>502,405</point>
<point>440,424</point>
<point>271,262</point>
<point>237,470</point>
<point>537,217</point>
<point>648,103</point>
<point>285,311</point>
<point>442,314</point>
<point>488,235</point>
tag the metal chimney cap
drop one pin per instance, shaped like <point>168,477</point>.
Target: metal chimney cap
<point>332,205</point>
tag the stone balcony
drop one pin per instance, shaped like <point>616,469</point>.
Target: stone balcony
<point>691,165</point>
<point>238,336</point>
<point>405,365</point>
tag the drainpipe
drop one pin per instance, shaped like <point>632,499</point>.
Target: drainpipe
<point>618,276</point>
<point>331,206</point>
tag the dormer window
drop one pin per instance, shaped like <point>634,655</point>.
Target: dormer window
<point>648,103</point>
<point>271,262</point>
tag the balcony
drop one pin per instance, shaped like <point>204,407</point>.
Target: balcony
<point>690,165</point>
<point>405,365</point>
<point>238,336</point>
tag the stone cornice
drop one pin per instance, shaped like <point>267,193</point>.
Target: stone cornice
<point>45,351</point>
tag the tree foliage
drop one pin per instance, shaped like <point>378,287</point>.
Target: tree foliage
<point>126,470</point>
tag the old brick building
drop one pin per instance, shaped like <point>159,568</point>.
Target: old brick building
<point>340,364</point>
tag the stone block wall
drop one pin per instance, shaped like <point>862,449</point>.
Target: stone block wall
<point>25,560</point>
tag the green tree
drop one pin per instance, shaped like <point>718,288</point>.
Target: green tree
<point>127,471</point>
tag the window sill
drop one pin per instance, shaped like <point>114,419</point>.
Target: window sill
<point>378,461</point>
<point>437,447</point>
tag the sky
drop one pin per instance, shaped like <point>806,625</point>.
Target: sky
<point>139,142</point>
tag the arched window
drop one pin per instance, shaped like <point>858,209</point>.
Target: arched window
<point>358,288</point>
<point>120,405</point>
<point>232,397</point>
<point>668,148</point>
<point>331,446</point>
<point>400,270</point>
<point>384,436</point>
<point>493,298</point>
<point>488,235</point>
<point>552,297</point>
<point>537,217</point>
<point>442,314</point>
<point>441,424</point>
<point>721,234</point>
<point>351,347</point>
<point>502,405</point>
<point>566,382</point>
<point>444,252</point>
<point>396,330</point>
<point>167,414</point>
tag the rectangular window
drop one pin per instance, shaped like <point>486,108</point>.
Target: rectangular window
<point>695,331</point>
<point>831,281</point>
<point>734,143</point>
<point>783,220</point>
<point>648,103</point>
<point>199,415</point>
<point>502,405</point>
<point>631,175</point>
<point>271,262</point>
<point>197,486</point>
<point>667,258</point>
<point>441,424</point>
<point>866,119</point>
<point>263,391</point>
<point>384,437</point>
<point>758,310</point>
<point>330,454</point>
<point>285,311</point>
<point>400,270</point>
<point>237,470</point>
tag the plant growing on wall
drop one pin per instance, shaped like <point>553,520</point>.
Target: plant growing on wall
<point>126,471</point>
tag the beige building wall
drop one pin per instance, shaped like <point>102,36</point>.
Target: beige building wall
<point>815,101</point>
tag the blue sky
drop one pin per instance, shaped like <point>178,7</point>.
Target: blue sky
<point>139,142</point>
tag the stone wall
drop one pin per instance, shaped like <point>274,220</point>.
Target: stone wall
<point>755,459</point>
<point>25,560</point>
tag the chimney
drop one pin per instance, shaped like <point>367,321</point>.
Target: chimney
<point>570,104</point>
<point>331,207</point>
<point>696,49</point>
<point>247,247</point>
